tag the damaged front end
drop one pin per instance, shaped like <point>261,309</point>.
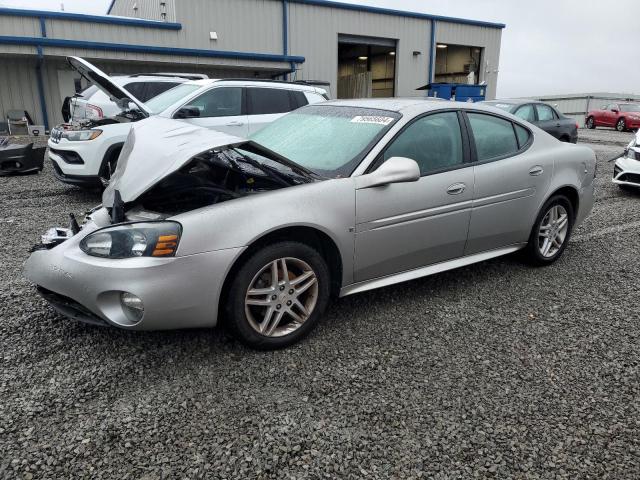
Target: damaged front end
<point>167,167</point>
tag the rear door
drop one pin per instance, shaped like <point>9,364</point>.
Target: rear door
<point>265,105</point>
<point>409,225</point>
<point>548,120</point>
<point>222,109</point>
<point>510,182</point>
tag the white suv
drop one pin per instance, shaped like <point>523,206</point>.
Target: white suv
<point>85,153</point>
<point>94,104</point>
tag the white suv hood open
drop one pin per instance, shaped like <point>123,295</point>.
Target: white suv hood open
<point>155,148</point>
<point>101,80</point>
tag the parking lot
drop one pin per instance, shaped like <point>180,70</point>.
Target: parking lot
<point>494,370</point>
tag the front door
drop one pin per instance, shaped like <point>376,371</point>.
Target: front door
<point>510,183</point>
<point>221,108</point>
<point>408,225</point>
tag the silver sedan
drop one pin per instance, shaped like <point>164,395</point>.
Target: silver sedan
<point>198,227</point>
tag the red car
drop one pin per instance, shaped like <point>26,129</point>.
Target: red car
<point>622,116</point>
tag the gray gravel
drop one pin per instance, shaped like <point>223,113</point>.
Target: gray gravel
<point>497,370</point>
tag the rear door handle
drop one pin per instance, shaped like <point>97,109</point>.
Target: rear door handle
<point>535,171</point>
<point>235,124</point>
<point>456,188</point>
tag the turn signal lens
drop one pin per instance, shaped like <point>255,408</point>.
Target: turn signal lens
<point>149,239</point>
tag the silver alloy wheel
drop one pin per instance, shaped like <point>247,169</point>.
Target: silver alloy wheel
<point>553,231</point>
<point>281,297</point>
<point>620,125</point>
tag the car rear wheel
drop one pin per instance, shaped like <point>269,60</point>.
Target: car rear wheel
<point>591,124</point>
<point>551,232</point>
<point>278,295</point>
<point>621,126</point>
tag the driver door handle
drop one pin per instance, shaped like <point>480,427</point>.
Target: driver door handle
<point>535,171</point>
<point>456,188</point>
<point>235,124</point>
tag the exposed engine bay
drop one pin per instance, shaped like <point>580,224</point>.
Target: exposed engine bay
<point>213,177</point>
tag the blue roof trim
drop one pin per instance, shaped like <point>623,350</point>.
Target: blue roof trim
<point>80,17</point>
<point>398,13</point>
<point>125,47</point>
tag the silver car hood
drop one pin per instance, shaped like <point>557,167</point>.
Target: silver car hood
<point>155,148</point>
<point>101,80</point>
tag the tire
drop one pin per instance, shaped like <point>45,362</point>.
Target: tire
<point>534,250</point>
<point>245,314</point>
<point>565,139</point>
<point>591,124</point>
<point>621,126</point>
<point>108,166</point>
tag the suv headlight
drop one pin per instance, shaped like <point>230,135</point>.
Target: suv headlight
<point>149,239</point>
<point>81,135</point>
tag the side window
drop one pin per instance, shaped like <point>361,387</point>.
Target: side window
<point>156,88</point>
<point>545,112</point>
<point>612,106</point>
<point>298,99</point>
<point>219,102</point>
<point>522,134</point>
<point>136,89</point>
<point>494,137</point>
<point>526,112</point>
<point>263,101</point>
<point>434,141</point>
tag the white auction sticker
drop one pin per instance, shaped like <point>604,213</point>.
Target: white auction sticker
<point>372,119</point>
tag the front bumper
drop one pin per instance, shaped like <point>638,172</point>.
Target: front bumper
<point>626,171</point>
<point>19,159</point>
<point>177,292</point>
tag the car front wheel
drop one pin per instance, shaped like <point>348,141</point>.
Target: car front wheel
<point>278,295</point>
<point>550,233</point>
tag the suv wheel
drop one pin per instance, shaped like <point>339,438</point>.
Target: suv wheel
<point>109,166</point>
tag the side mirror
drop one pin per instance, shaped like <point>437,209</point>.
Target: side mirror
<point>187,112</point>
<point>394,170</point>
<point>614,110</point>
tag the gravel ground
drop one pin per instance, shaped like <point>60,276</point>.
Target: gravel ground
<point>497,370</point>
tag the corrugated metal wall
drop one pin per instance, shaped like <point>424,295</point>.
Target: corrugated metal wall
<point>18,87</point>
<point>314,30</point>
<point>148,9</point>
<point>476,36</point>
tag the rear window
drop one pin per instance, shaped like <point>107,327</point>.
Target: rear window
<point>263,101</point>
<point>494,137</point>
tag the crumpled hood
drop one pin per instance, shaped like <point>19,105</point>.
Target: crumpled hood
<point>155,148</point>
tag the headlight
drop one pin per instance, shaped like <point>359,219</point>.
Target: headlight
<point>151,239</point>
<point>81,135</point>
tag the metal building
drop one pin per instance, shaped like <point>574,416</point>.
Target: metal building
<point>577,105</point>
<point>361,51</point>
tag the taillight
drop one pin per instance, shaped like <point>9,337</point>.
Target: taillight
<point>93,112</point>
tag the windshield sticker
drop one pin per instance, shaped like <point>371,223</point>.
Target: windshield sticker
<point>372,119</point>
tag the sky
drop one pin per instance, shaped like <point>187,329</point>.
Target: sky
<point>548,47</point>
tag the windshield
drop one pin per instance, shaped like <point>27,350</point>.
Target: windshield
<point>630,107</point>
<point>507,107</point>
<point>328,140</point>
<point>165,100</point>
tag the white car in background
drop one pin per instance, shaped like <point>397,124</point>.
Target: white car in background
<point>94,104</point>
<point>85,153</point>
<point>626,170</point>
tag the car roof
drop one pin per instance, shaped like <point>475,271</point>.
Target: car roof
<point>514,101</point>
<point>148,78</point>
<point>409,106</point>
<point>258,83</point>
